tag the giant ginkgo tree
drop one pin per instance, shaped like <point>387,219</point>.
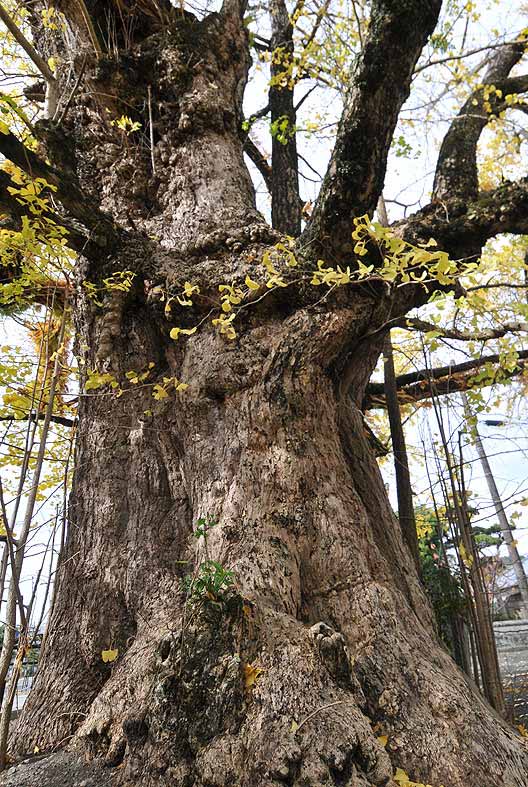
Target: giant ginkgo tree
<point>235,603</point>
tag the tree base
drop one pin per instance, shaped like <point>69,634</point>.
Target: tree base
<point>242,697</point>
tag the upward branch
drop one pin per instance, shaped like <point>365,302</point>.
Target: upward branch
<point>285,203</point>
<point>354,180</point>
<point>456,171</point>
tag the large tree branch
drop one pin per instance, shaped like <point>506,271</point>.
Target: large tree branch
<point>13,212</point>
<point>423,384</point>
<point>463,229</point>
<point>101,230</point>
<point>354,180</point>
<point>456,171</point>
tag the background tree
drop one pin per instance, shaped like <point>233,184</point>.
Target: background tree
<point>219,385</point>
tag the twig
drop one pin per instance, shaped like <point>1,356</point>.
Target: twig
<point>8,643</point>
<point>461,56</point>
<point>73,93</point>
<point>90,28</point>
<point>10,542</point>
<point>318,710</point>
<point>151,129</point>
<point>34,417</point>
<point>48,586</point>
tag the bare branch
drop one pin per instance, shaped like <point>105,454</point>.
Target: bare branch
<point>465,336</point>
<point>40,63</point>
<point>422,384</point>
<point>462,55</point>
<point>321,14</point>
<point>260,113</point>
<point>399,449</point>
<point>100,24</point>
<point>285,203</point>
<point>496,285</point>
<point>54,419</point>
<point>259,160</point>
<point>90,28</point>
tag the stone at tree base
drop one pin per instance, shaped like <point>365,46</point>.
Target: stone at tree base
<point>62,769</point>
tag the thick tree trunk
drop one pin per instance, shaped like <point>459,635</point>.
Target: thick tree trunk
<point>268,443</point>
<point>327,602</point>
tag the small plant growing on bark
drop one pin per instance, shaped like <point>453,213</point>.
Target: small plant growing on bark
<point>210,581</point>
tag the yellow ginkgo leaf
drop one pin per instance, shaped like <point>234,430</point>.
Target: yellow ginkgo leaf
<point>109,655</point>
<point>159,392</point>
<point>251,284</point>
<point>175,332</point>
<point>190,289</point>
<point>383,739</point>
<point>252,674</point>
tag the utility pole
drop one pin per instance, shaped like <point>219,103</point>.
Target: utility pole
<point>504,524</point>
<point>399,449</point>
<point>401,463</point>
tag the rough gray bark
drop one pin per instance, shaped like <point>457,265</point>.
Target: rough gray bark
<point>174,707</point>
<point>268,440</point>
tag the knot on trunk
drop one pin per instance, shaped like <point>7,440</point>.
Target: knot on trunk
<point>332,650</point>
